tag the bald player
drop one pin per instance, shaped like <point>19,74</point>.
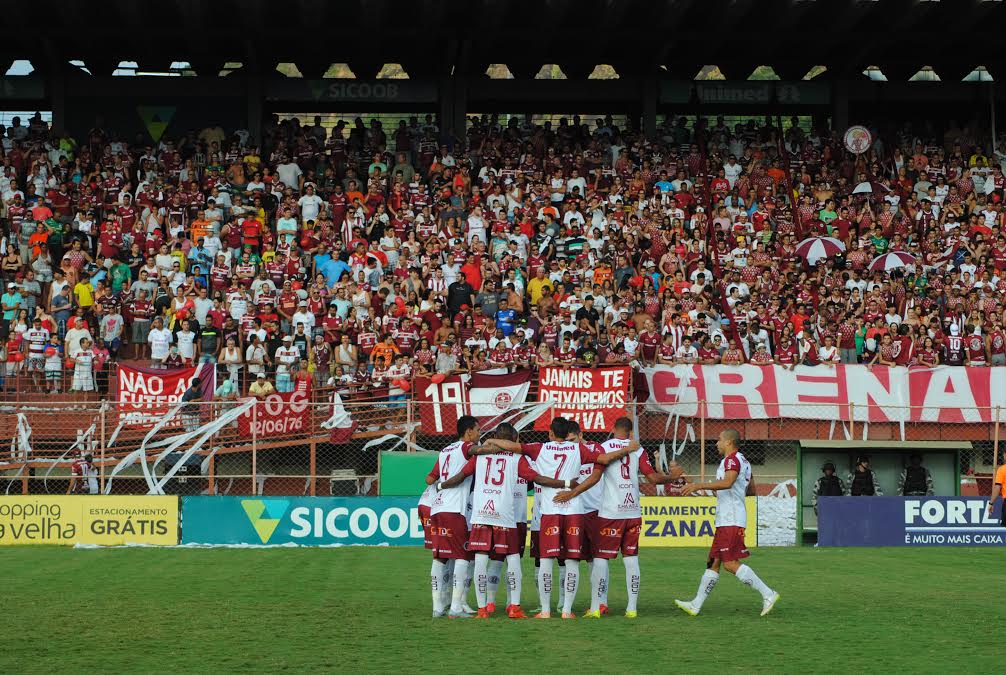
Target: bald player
<point>733,483</point>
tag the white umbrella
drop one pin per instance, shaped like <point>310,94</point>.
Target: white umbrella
<point>817,248</point>
<point>891,261</point>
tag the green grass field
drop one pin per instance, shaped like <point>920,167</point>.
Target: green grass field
<point>368,609</point>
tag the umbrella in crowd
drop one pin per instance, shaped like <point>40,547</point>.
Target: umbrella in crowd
<point>871,187</point>
<point>891,261</point>
<point>817,248</point>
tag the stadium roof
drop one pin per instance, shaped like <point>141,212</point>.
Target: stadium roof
<point>432,38</point>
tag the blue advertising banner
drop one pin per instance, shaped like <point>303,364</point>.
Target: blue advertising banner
<point>909,521</point>
<point>308,521</point>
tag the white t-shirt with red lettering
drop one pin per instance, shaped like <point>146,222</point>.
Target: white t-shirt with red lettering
<point>494,499</point>
<point>620,482</point>
<point>731,510</point>
<point>559,460</point>
<point>452,460</point>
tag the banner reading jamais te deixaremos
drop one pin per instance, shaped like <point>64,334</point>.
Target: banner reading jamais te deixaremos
<point>949,394</point>
<point>592,397</point>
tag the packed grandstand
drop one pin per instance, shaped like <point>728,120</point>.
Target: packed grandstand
<point>359,256</point>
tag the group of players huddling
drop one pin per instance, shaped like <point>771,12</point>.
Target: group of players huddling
<point>586,508</point>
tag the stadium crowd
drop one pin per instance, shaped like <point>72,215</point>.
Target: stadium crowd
<point>360,256</point>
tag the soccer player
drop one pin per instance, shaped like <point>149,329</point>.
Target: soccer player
<point>619,517</point>
<point>591,497</point>
<point>448,522</point>
<point>494,524</point>
<point>562,524</point>
<point>732,485</point>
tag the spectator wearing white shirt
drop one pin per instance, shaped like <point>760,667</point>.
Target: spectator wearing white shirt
<point>310,205</point>
<point>304,316</point>
<point>159,338</point>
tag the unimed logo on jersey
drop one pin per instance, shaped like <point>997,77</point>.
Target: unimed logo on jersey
<point>264,515</point>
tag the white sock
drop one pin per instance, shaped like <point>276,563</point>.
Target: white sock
<point>545,585</point>
<point>598,582</point>
<point>448,583</point>
<point>495,568</point>
<point>572,581</point>
<point>537,578</point>
<point>481,578</point>
<point>562,586</point>
<point>437,575</point>
<point>514,578</point>
<point>747,576</point>
<point>459,587</point>
<point>469,576</point>
<point>706,586</point>
<point>631,581</point>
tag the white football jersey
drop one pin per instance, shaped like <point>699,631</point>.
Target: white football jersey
<point>731,510</point>
<point>494,498</point>
<point>559,460</point>
<point>451,461</point>
<point>536,509</point>
<point>591,498</point>
<point>429,494</point>
<point>620,482</point>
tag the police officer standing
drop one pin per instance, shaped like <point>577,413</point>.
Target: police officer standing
<point>915,480</point>
<point>863,481</point>
<point>828,485</point>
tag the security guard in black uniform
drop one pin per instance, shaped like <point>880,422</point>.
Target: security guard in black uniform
<point>863,481</point>
<point>915,480</point>
<point>828,485</point>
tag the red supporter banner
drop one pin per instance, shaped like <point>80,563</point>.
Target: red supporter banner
<point>950,394</point>
<point>487,396</point>
<point>279,414</point>
<point>440,404</point>
<point>146,394</point>
<point>592,397</point>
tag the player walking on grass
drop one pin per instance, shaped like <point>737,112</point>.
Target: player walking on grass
<point>448,521</point>
<point>732,485</point>
<point>494,530</point>
<point>619,517</point>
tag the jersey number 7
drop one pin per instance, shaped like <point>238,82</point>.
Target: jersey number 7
<point>562,462</point>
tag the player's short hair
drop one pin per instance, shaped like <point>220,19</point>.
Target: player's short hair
<point>466,422</point>
<point>623,424</point>
<point>559,427</point>
<point>732,435</point>
<point>573,427</point>
<point>506,432</point>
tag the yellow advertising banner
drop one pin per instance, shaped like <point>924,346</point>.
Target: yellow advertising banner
<point>688,521</point>
<point>684,521</point>
<point>86,519</point>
